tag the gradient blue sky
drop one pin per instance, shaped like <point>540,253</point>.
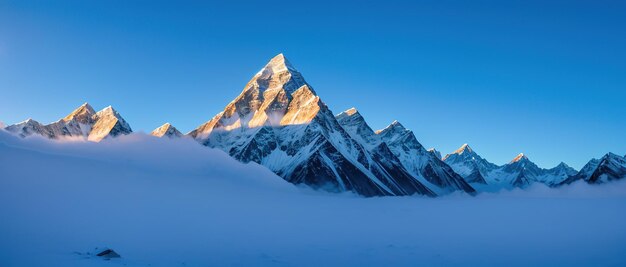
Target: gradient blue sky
<point>547,78</point>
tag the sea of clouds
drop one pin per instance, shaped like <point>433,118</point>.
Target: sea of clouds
<point>173,202</point>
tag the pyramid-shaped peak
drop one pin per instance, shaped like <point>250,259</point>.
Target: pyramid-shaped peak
<point>277,74</point>
<point>519,157</point>
<point>279,63</point>
<point>108,111</point>
<point>464,148</point>
<point>82,112</point>
<point>394,127</point>
<point>396,124</point>
<point>166,130</point>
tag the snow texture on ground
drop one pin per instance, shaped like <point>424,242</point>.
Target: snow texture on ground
<point>172,202</point>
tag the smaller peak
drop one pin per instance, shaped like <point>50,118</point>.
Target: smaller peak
<point>348,113</point>
<point>611,154</point>
<point>434,151</point>
<point>28,121</point>
<point>166,130</point>
<point>351,111</point>
<point>395,126</point>
<point>519,157</point>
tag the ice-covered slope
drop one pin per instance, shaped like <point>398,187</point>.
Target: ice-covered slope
<point>279,121</point>
<point>166,130</point>
<point>420,163</point>
<point>83,122</point>
<point>469,164</point>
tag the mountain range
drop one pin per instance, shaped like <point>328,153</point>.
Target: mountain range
<point>279,121</point>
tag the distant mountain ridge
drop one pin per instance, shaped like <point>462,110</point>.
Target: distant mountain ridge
<point>83,122</point>
<point>280,122</point>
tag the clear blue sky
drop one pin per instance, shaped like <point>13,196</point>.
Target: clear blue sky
<point>547,78</point>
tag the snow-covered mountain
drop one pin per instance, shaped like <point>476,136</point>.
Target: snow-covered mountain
<point>429,171</point>
<point>469,164</point>
<point>82,122</point>
<point>166,130</point>
<point>420,163</point>
<point>555,176</point>
<point>610,167</point>
<point>279,122</point>
<point>520,172</point>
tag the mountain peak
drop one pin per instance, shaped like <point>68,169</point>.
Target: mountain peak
<point>435,152</point>
<point>109,111</point>
<point>277,74</point>
<point>394,126</point>
<point>82,113</point>
<point>464,148</point>
<point>166,130</point>
<point>279,63</point>
<point>519,157</point>
<point>562,165</point>
<point>351,111</point>
<point>348,113</point>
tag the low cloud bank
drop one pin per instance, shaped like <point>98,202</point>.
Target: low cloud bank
<point>162,202</point>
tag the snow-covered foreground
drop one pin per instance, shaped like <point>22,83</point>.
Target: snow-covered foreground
<point>161,202</point>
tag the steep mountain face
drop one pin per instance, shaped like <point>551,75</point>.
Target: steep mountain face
<point>423,165</point>
<point>435,152</point>
<point>166,130</point>
<point>279,121</point>
<point>356,126</point>
<point>584,173</point>
<point>521,172</point>
<point>82,122</point>
<point>469,164</point>
<point>610,167</point>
